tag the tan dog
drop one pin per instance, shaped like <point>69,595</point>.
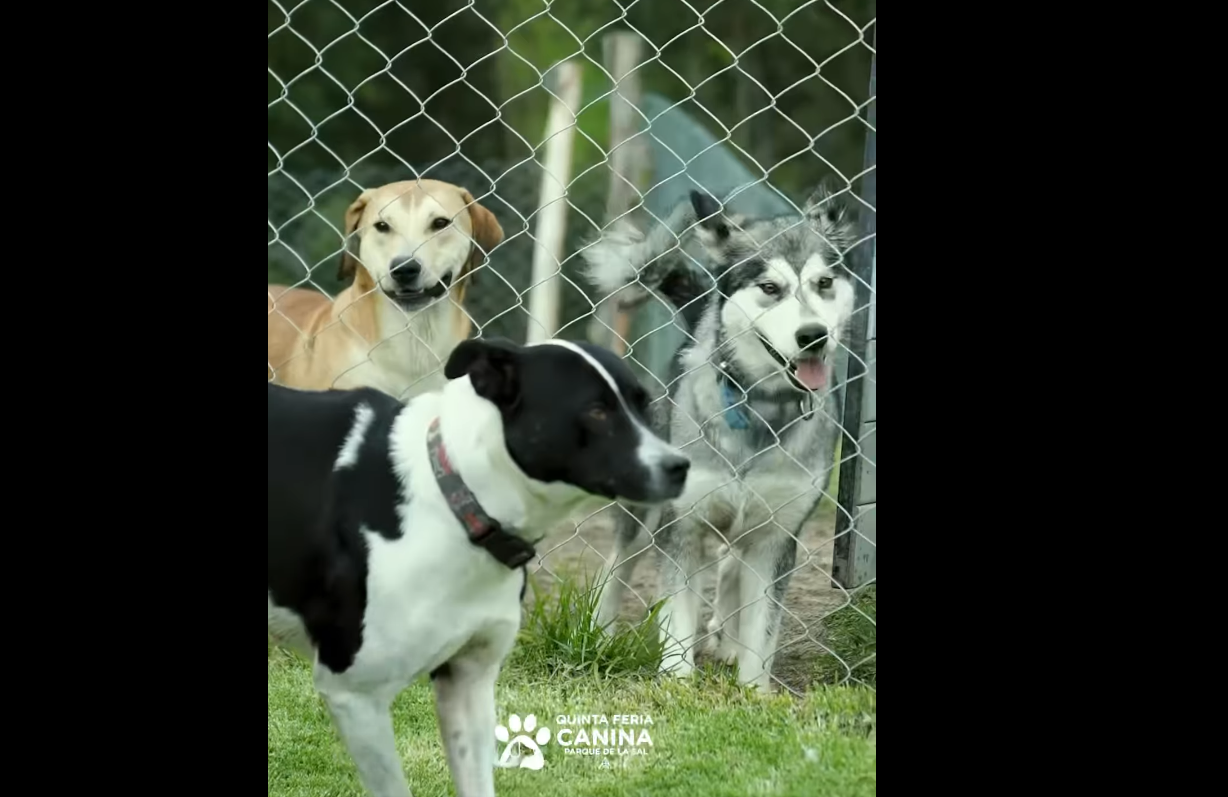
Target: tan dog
<point>412,249</point>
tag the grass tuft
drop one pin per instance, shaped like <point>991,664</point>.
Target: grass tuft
<point>852,635</point>
<point>560,636</point>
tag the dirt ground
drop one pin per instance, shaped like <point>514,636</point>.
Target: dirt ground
<point>811,597</point>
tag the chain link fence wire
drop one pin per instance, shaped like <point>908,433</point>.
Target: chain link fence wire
<point>768,97</point>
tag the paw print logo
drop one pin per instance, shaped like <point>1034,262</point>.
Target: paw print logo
<point>518,739</point>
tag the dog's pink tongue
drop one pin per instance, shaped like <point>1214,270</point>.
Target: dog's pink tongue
<point>812,374</point>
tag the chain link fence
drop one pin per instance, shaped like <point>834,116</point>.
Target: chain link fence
<point>768,97</point>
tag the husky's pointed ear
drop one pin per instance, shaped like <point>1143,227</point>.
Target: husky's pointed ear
<point>493,366</point>
<point>353,217</point>
<point>829,214</point>
<point>710,215</point>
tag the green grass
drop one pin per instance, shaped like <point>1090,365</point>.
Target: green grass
<point>709,736</point>
<point>559,637</point>
<point>852,634</point>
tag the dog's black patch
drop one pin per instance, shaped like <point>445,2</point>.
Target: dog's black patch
<point>318,556</point>
<point>581,435</point>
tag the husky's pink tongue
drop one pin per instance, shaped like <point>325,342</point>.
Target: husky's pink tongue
<point>812,374</point>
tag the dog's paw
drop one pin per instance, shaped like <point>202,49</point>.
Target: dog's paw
<point>755,678</point>
<point>726,652</point>
<point>764,686</point>
<point>720,645</point>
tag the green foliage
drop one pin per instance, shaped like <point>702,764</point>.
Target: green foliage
<point>746,79</point>
<point>560,636</point>
<point>537,43</point>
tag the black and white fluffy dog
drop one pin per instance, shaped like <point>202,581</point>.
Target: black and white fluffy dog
<point>399,534</point>
<point>751,402</point>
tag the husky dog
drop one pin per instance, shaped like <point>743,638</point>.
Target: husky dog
<point>750,402</point>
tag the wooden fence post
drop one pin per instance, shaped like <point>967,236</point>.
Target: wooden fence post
<point>551,235</point>
<point>630,167</point>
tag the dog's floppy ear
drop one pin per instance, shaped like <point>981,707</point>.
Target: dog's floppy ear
<point>487,234</point>
<point>493,366</point>
<point>353,217</point>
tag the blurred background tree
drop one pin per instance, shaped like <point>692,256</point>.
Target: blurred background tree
<point>365,92</point>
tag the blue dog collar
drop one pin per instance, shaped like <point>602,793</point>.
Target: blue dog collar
<point>735,414</point>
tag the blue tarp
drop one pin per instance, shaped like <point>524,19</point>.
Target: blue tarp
<point>686,155</point>
<point>686,148</point>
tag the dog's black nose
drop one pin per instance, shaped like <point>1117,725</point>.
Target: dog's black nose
<point>813,338</point>
<point>676,469</point>
<point>406,271</point>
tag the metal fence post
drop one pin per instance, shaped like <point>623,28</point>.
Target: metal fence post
<point>856,555</point>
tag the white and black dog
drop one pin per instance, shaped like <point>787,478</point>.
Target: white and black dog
<point>399,534</point>
<point>751,402</point>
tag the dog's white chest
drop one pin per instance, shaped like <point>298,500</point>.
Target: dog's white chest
<point>761,497</point>
<point>431,595</point>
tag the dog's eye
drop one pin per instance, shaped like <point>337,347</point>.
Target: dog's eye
<point>770,288</point>
<point>826,283</point>
<point>440,223</point>
<point>383,226</point>
<point>599,414</point>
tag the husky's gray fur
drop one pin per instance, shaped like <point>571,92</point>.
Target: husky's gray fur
<point>752,402</point>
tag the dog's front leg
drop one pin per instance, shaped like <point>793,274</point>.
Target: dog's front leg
<point>682,553</point>
<point>465,701</point>
<point>723,630</point>
<point>761,620</point>
<point>365,724</point>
